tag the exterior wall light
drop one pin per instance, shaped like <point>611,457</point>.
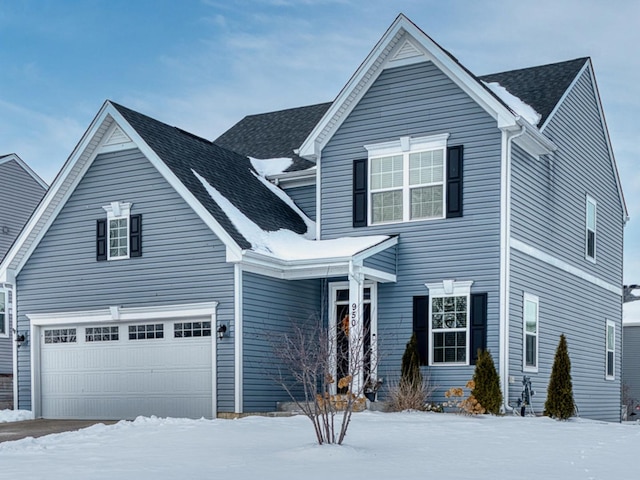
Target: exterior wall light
<point>222,329</point>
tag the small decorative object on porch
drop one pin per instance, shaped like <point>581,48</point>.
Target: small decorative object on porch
<point>371,388</point>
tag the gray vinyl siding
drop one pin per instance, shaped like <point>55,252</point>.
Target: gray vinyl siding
<point>631,363</point>
<point>270,308</point>
<point>384,261</point>
<point>549,194</point>
<point>182,261</point>
<point>20,193</point>
<point>549,213</point>
<point>305,198</point>
<point>419,100</point>
<point>579,310</point>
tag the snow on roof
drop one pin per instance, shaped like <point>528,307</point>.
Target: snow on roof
<point>514,103</point>
<point>285,244</point>
<point>271,166</point>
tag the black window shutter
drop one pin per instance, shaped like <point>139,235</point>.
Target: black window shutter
<point>360,193</point>
<point>478,325</point>
<point>135,235</point>
<point>420,326</point>
<point>101,240</point>
<point>454,181</point>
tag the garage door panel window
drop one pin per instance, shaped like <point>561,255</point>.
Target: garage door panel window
<point>191,329</point>
<point>60,335</point>
<point>101,334</point>
<point>145,332</point>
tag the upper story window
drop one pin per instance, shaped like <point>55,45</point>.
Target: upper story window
<point>611,350</point>
<point>4,317</point>
<point>119,236</point>
<point>406,180</point>
<point>590,234</point>
<point>530,316</point>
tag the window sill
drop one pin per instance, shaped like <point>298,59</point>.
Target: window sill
<point>530,369</point>
<point>397,222</point>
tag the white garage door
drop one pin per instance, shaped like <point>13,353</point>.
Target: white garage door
<point>107,371</point>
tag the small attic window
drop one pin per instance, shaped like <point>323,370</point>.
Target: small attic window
<point>119,236</point>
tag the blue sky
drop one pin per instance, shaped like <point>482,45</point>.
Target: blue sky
<point>204,64</point>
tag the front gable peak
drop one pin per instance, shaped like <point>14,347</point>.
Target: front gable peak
<point>403,43</point>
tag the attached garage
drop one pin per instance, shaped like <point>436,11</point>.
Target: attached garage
<point>126,366</point>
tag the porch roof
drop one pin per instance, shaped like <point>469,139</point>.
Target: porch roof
<point>310,259</point>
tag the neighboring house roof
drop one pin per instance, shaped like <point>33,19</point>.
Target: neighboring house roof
<point>274,134</point>
<point>228,172</point>
<point>541,87</point>
<point>12,156</point>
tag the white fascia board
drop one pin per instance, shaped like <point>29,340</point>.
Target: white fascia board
<point>299,178</point>
<point>61,188</point>
<point>125,314</point>
<point>380,247</point>
<point>25,167</point>
<point>533,142</point>
<point>375,63</point>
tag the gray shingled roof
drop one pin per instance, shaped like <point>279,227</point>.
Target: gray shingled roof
<point>228,172</point>
<point>274,134</point>
<point>540,87</point>
<point>278,134</point>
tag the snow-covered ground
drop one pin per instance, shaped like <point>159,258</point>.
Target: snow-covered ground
<point>15,415</point>
<point>408,445</point>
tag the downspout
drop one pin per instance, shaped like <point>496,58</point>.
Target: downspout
<point>318,196</point>
<point>505,259</point>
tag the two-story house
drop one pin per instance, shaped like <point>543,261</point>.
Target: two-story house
<point>20,191</point>
<point>423,198</point>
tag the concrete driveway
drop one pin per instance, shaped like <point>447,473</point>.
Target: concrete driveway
<point>40,427</point>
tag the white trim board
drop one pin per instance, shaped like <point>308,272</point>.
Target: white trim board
<point>562,265</point>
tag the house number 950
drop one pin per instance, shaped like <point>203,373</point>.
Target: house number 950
<point>354,314</point>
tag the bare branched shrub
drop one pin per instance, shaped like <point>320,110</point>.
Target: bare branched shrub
<point>306,353</point>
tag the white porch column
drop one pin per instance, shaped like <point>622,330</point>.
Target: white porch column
<point>356,327</point>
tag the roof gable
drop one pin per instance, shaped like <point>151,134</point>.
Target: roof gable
<point>13,157</point>
<point>403,43</point>
<point>176,154</point>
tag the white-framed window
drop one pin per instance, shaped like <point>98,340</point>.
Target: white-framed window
<point>4,313</point>
<point>118,217</point>
<point>590,229</point>
<point>407,179</point>
<point>610,360</point>
<point>449,322</point>
<point>530,326</point>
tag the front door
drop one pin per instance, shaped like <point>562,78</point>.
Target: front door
<point>340,324</point>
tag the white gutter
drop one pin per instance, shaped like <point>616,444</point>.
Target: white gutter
<point>505,257</point>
